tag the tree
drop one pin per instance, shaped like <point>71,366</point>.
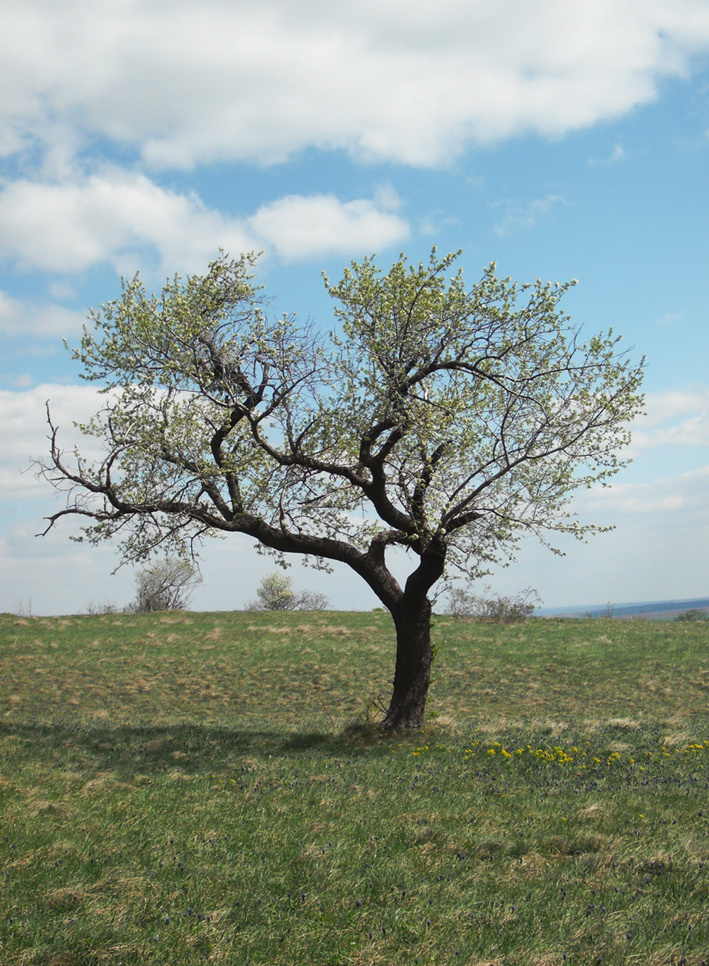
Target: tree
<point>464,603</point>
<point>444,421</point>
<point>694,614</point>
<point>275,592</point>
<point>166,585</point>
<point>312,600</point>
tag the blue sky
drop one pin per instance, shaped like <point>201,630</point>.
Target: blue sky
<point>560,139</point>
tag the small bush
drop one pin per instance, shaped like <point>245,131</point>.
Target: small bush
<point>99,609</point>
<point>167,585</point>
<point>463,604</point>
<point>24,608</point>
<point>693,615</point>
<point>312,600</point>
<point>275,592</point>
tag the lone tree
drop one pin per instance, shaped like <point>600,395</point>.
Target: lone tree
<point>447,421</point>
<point>166,585</point>
<point>275,592</point>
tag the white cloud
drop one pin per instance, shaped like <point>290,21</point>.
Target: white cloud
<point>24,434</point>
<point>20,380</point>
<point>109,218</point>
<point>669,319</point>
<point>673,418</point>
<point>521,217</point>
<point>658,554</point>
<point>38,319</point>
<point>617,154</point>
<point>53,575</point>
<point>184,83</point>
<point>115,216</point>
<point>674,500</point>
<point>299,227</point>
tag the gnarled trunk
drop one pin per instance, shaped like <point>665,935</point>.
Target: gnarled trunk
<point>412,620</point>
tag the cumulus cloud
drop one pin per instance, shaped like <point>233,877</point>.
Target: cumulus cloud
<point>19,317</point>
<point>656,552</point>
<point>616,155</point>
<point>67,227</point>
<point>184,83</point>
<point>518,216</point>
<point>24,431</point>
<point>298,226</point>
<point>118,217</point>
<point>682,497</point>
<point>673,417</point>
<point>669,319</point>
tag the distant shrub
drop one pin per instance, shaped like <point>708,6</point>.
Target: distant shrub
<point>275,592</point>
<point>167,585</point>
<point>693,615</point>
<point>607,613</point>
<point>98,609</point>
<point>312,600</point>
<point>24,608</point>
<point>463,604</point>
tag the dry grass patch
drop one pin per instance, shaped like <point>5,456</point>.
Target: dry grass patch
<point>592,811</point>
<point>628,723</point>
<point>677,739</point>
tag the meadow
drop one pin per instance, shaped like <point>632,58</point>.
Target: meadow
<point>211,788</point>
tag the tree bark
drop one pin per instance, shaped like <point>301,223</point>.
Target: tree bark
<point>412,620</point>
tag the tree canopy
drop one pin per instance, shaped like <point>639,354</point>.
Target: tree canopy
<point>444,420</point>
<point>165,585</point>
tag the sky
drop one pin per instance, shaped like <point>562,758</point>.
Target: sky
<point>561,139</point>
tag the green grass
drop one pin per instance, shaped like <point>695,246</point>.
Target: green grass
<point>178,789</point>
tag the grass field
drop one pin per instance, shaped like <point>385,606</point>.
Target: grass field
<point>206,788</point>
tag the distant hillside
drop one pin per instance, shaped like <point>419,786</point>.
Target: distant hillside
<point>659,610</point>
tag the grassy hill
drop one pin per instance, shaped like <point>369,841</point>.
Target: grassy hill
<point>208,788</point>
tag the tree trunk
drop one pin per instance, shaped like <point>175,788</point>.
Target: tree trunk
<point>413,665</point>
